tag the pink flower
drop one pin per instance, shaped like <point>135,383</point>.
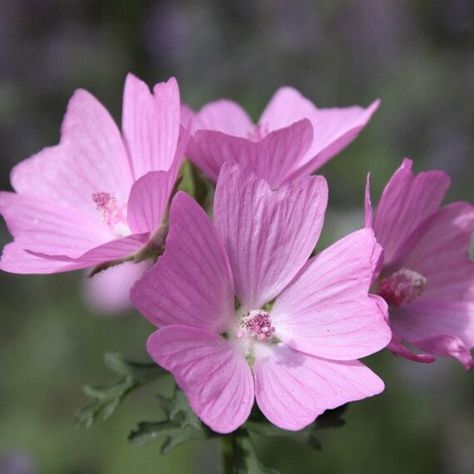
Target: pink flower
<point>293,138</point>
<point>243,313</point>
<point>427,277</point>
<point>97,196</point>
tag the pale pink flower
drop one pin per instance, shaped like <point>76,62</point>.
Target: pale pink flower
<point>223,131</point>
<point>97,195</point>
<point>107,293</point>
<point>427,276</point>
<point>299,325</point>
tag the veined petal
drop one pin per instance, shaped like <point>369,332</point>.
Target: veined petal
<point>293,388</point>
<point>224,116</point>
<point>268,235</point>
<point>151,124</point>
<point>211,371</point>
<point>441,253</point>
<point>326,310</point>
<point>406,202</point>
<point>46,226</point>
<point>90,158</point>
<point>448,346</point>
<point>148,201</point>
<point>15,259</point>
<point>191,283</point>
<point>112,250</point>
<point>115,249</point>
<point>334,128</point>
<point>286,106</point>
<point>168,121</point>
<point>273,158</point>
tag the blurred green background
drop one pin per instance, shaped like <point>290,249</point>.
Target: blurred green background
<point>417,56</point>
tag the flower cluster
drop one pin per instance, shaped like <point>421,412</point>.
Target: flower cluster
<point>245,308</point>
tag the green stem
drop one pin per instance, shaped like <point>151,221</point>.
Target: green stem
<point>228,454</point>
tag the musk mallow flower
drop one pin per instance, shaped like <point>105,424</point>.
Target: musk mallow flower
<point>292,138</point>
<point>243,314</point>
<point>426,276</point>
<point>98,195</point>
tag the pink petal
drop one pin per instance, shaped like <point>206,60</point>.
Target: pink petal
<point>441,254</point>
<point>187,115</point>
<point>224,116</point>
<point>285,107</point>
<point>45,226</point>
<point>327,311</point>
<point>399,349</point>
<point>191,283</point>
<point>17,260</point>
<point>427,321</point>
<point>90,158</point>
<point>268,234</point>
<point>293,388</point>
<point>333,128</point>
<point>108,292</point>
<point>148,201</point>
<point>214,375</point>
<point>272,158</point>
<point>113,250</point>
<point>406,202</point>
<point>448,346</point>
<point>151,124</point>
<point>369,220</point>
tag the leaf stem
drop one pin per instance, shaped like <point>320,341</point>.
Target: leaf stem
<point>228,443</point>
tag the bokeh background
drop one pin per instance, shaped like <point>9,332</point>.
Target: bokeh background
<point>417,56</point>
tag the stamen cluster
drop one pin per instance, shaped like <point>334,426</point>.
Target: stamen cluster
<point>108,207</point>
<point>402,287</point>
<point>256,323</point>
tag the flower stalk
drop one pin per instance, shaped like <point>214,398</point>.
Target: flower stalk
<point>228,443</point>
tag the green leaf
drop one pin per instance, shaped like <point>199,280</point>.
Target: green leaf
<point>180,426</point>
<point>106,398</point>
<point>245,457</point>
<point>306,436</point>
<point>173,433</point>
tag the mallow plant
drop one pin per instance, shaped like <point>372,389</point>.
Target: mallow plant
<point>213,222</point>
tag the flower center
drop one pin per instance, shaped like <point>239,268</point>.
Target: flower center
<point>112,213</point>
<point>402,287</point>
<point>258,324</point>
